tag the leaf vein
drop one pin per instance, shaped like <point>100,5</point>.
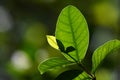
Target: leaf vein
<point>69,18</point>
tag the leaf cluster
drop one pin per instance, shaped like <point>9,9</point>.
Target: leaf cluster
<point>72,39</point>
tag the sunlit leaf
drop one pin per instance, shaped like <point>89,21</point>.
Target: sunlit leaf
<point>52,63</point>
<point>52,41</point>
<point>72,30</point>
<point>101,52</point>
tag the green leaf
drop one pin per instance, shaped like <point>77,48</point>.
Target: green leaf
<point>72,30</point>
<point>61,46</point>
<point>101,52</point>
<point>52,63</point>
<point>68,75</point>
<point>83,76</point>
<point>52,41</point>
<point>69,49</point>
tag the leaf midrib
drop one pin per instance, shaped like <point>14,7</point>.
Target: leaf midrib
<point>71,27</point>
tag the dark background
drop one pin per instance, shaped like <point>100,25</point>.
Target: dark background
<point>24,25</point>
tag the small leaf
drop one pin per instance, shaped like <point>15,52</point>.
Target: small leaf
<point>82,76</point>
<point>72,30</point>
<point>68,75</point>
<point>52,63</point>
<point>69,49</point>
<point>101,52</point>
<point>52,41</point>
<point>61,46</point>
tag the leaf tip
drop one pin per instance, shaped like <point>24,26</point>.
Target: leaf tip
<point>39,69</point>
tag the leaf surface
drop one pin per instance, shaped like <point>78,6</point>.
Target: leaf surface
<point>72,30</point>
<point>52,63</point>
<point>70,49</point>
<point>101,52</point>
<point>68,75</point>
<point>82,76</point>
<point>52,41</point>
<point>60,45</point>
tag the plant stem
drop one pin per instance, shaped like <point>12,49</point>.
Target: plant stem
<point>83,67</point>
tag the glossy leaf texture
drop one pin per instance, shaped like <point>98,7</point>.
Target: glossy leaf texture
<point>82,76</point>
<point>52,63</point>
<point>101,52</point>
<point>52,41</point>
<point>72,30</point>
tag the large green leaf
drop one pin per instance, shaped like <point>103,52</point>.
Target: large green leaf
<point>52,63</point>
<point>72,30</point>
<point>101,52</point>
<point>82,76</point>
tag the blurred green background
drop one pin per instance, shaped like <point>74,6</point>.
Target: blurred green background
<point>24,25</point>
